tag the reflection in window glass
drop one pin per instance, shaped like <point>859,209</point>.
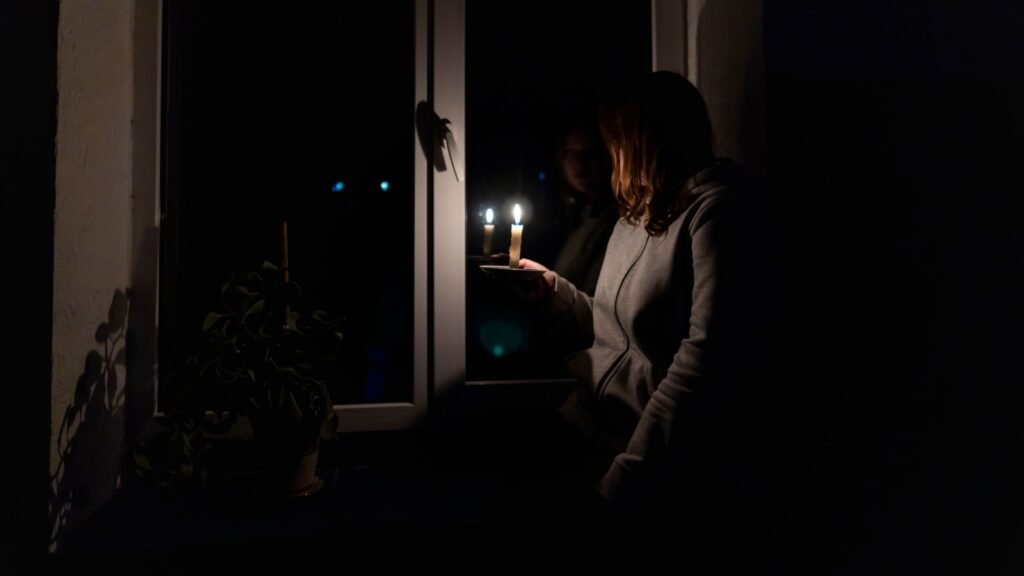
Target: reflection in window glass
<point>301,113</point>
<point>535,77</point>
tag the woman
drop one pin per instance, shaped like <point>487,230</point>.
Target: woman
<point>672,319</point>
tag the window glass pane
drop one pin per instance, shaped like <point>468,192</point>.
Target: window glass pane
<point>298,112</point>
<point>536,73</point>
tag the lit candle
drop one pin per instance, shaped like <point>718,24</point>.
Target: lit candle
<point>517,238</point>
<point>488,231</point>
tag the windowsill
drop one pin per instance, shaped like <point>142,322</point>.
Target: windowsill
<point>449,473</point>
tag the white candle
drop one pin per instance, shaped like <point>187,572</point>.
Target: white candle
<point>517,238</point>
<point>488,231</point>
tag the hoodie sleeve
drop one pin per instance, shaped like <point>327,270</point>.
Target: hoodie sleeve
<point>573,306</point>
<point>714,231</point>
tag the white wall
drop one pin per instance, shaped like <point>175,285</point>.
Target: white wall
<point>718,45</point>
<point>99,169</point>
<point>727,61</point>
<point>693,10</point>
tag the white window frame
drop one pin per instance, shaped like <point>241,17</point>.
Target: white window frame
<point>399,415</point>
<point>449,334</point>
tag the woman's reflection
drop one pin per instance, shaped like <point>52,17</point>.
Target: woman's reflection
<point>588,216</point>
<point>571,220</point>
<point>589,208</point>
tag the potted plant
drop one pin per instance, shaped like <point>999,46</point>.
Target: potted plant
<point>264,360</point>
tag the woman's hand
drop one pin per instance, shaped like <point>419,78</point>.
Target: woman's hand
<point>540,289</point>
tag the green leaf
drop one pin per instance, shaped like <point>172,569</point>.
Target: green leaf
<point>242,290</point>
<point>102,332</point>
<point>268,265</point>
<point>210,320</point>
<point>142,462</point>
<point>256,308</point>
<point>286,370</point>
<point>222,425</point>
<point>215,361</point>
<point>295,411</point>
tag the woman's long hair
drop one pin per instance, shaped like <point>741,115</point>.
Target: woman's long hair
<point>658,135</point>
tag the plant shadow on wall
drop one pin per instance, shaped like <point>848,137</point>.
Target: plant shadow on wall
<point>263,359</point>
<point>87,468</point>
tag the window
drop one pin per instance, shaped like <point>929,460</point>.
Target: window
<point>305,115</point>
<point>321,116</point>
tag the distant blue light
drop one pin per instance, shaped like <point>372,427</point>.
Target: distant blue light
<point>384,186</point>
<point>542,175</point>
<point>338,186</point>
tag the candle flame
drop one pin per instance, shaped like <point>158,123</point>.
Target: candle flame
<point>517,212</point>
<point>489,216</point>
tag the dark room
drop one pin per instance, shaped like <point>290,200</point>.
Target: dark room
<point>744,276</point>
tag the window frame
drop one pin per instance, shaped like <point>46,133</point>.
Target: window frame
<point>357,417</point>
<point>399,415</point>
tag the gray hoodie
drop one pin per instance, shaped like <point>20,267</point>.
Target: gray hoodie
<point>665,314</point>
